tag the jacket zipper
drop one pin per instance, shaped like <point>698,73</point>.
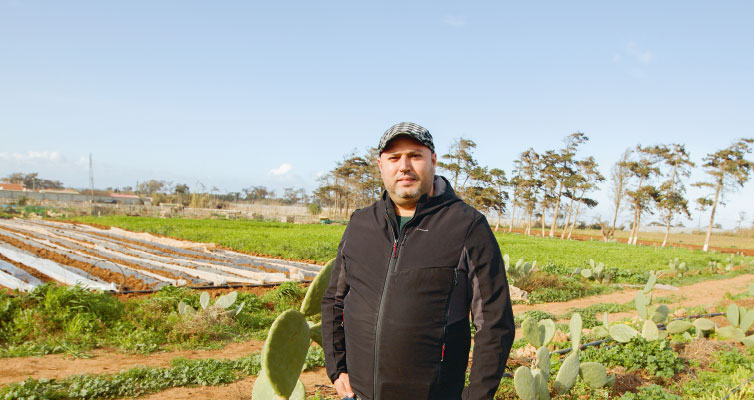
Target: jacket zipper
<point>445,323</point>
<point>393,258</point>
<point>391,266</point>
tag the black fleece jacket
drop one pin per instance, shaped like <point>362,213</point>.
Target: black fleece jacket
<point>395,316</point>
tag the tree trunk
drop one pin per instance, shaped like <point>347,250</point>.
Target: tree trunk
<point>544,209</point>
<point>513,215</point>
<point>557,210</point>
<point>497,225</point>
<point>568,221</point>
<point>667,229</point>
<point>528,225</point>
<point>575,218</point>
<point>712,216</point>
<point>634,227</point>
<point>638,223</point>
<point>615,217</point>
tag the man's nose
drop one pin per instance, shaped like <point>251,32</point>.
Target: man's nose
<point>404,164</point>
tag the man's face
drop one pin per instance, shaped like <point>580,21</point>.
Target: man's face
<point>407,168</point>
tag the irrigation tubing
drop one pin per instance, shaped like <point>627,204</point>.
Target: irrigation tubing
<point>263,285</point>
<point>737,388</point>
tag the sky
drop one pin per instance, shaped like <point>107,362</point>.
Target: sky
<point>239,94</point>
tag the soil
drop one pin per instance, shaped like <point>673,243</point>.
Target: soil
<point>101,273</point>
<point>108,361</point>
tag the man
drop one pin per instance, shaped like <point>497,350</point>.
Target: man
<point>409,268</point>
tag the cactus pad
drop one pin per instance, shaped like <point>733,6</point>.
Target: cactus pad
<point>538,333</point>
<point>746,320</point>
<point>650,331</point>
<point>594,374</point>
<point>586,273</point>
<point>748,341</point>
<point>312,304</point>
<point>679,326</point>
<point>263,390</point>
<point>575,329</point>
<point>226,300</point>
<point>523,381</point>
<point>204,300</point>
<point>732,314</point>
<point>543,361</point>
<point>731,332</point>
<point>285,350</point>
<point>622,333</point>
<point>600,331</point>
<point>650,283</point>
<point>660,314</point>
<point>568,373</point>
<point>540,384</point>
<point>704,324</point>
<point>315,332</point>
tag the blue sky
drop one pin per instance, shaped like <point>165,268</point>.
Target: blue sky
<point>237,94</point>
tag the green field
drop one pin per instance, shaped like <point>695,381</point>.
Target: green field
<point>320,243</point>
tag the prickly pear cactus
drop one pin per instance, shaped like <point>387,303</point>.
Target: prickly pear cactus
<point>226,300</point>
<point>594,374</point>
<point>315,332</point>
<point>569,370</point>
<point>679,326</point>
<point>538,333</point>
<point>204,300</point>
<point>285,350</point>
<point>574,328</point>
<point>312,304</point>
<point>263,390</point>
<point>540,384</point>
<point>622,333</point>
<point>650,331</point>
<point>523,381</point>
<point>543,361</point>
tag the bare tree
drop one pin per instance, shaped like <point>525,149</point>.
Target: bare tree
<point>619,175</point>
<point>728,169</point>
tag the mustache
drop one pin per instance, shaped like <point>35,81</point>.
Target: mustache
<point>407,175</point>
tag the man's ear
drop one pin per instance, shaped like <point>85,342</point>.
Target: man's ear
<point>434,159</point>
<point>379,164</point>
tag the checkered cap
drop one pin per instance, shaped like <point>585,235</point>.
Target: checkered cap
<point>411,129</point>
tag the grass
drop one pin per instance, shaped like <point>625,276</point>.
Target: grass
<point>54,319</point>
<point>290,241</point>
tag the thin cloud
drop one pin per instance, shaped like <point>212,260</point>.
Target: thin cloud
<point>641,56</point>
<point>283,169</point>
<point>455,21</point>
<point>52,156</point>
<point>633,60</point>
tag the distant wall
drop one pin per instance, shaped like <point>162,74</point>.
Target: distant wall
<point>13,196</point>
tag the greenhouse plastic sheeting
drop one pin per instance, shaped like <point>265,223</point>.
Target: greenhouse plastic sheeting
<point>12,282</point>
<point>54,270</point>
<point>19,273</point>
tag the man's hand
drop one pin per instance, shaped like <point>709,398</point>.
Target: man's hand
<point>343,386</point>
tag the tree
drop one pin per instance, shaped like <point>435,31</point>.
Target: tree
<point>33,181</point>
<point>460,162</point>
<point>644,193</point>
<point>498,183</point>
<point>587,177</point>
<point>563,170</point>
<point>619,175</point>
<point>150,187</point>
<point>257,193</point>
<point>529,166</point>
<point>671,199</point>
<point>728,170</point>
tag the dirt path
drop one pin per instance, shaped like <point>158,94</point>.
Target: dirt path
<point>701,293</point>
<point>109,362</point>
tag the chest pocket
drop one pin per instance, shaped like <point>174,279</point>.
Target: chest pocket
<point>426,249</point>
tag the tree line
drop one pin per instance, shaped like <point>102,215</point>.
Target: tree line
<point>558,184</point>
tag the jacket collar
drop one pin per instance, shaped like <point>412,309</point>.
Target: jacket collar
<point>443,195</point>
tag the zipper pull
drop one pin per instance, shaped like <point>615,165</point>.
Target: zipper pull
<point>395,248</point>
<point>442,356</point>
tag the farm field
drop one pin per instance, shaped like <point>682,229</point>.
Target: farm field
<point>151,349</point>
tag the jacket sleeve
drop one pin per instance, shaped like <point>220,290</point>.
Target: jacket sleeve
<point>333,333</point>
<point>491,311</point>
